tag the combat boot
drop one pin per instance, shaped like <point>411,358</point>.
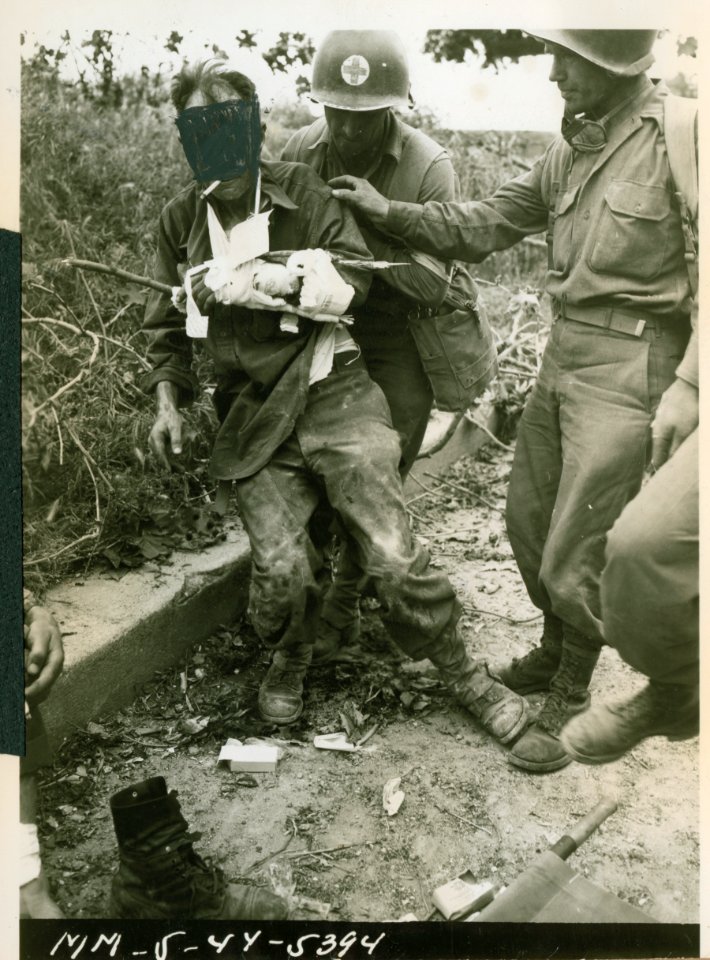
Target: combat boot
<point>161,877</point>
<point>539,749</point>
<point>332,641</point>
<point>606,732</point>
<point>501,713</point>
<point>281,691</point>
<point>534,671</point>
<point>339,626</point>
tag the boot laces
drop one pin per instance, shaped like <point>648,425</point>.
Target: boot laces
<point>204,880</point>
<point>554,714</point>
<point>538,656</point>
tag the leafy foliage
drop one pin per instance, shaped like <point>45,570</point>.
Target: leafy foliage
<point>500,46</point>
<point>495,46</point>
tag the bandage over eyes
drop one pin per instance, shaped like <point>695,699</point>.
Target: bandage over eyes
<point>223,140</point>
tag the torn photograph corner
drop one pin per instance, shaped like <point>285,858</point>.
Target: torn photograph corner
<point>360,492</point>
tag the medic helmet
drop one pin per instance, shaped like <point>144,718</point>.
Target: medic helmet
<point>625,53</point>
<point>361,70</point>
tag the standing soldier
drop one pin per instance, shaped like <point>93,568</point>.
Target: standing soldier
<point>360,76</point>
<point>621,297</point>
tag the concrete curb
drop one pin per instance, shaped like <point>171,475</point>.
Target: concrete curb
<point>118,633</point>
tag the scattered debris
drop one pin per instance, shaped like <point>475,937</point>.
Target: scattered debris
<point>355,723</point>
<point>193,725</point>
<point>334,741</point>
<point>463,895</point>
<point>253,757</point>
<point>392,796</point>
<point>284,886</point>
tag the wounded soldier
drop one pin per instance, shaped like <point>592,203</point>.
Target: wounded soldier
<point>300,419</point>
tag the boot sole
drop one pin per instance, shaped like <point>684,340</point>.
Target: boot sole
<point>547,766</point>
<point>617,755</point>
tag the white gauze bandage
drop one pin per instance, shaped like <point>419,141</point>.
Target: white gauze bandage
<point>323,289</point>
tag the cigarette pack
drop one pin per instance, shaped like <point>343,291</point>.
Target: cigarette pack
<point>252,758</point>
<point>462,895</point>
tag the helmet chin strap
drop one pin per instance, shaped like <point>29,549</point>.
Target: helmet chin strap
<point>587,135</point>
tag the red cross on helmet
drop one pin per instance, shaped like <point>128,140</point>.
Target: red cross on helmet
<point>623,52</point>
<point>361,70</point>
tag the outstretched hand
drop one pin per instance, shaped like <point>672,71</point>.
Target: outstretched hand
<point>360,194</point>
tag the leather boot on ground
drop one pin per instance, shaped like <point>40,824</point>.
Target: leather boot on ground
<point>333,642</point>
<point>281,692</point>
<point>539,749</point>
<point>161,877</point>
<point>501,713</point>
<point>606,732</point>
<point>533,672</point>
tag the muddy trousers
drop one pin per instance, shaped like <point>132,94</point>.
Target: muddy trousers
<point>650,586</point>
<point>580,456</point>
<point>343,449</point>
<point>393,362</point>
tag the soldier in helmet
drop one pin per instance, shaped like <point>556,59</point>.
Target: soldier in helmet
<point>360,77</point>
<point>618,359</point>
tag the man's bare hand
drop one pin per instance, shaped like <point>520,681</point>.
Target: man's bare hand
<point>362,195</point>
<point>676,418</point>
<point>165,438</point>
<point>202,295</point>
<point>44,653</point>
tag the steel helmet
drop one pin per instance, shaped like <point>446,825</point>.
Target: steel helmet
<point>361,70</point>
<point>625,53</point>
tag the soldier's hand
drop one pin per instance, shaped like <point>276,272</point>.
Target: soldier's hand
<point>202,295</point>
<point>360,194</point>
<point>166,435</point>
<point>44,653</point>
<point>676,418</point>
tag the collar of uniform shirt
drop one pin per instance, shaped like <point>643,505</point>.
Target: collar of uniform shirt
<point>273,190</point>
<point>392,144</point>
<point>573,127</point>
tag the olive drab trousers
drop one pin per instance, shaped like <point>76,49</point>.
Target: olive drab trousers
<point>343,448</point>
<point>650,586</point>
<point>581,452</point>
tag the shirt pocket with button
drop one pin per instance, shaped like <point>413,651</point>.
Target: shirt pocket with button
<point>562,227</point>
<point>631,236</point>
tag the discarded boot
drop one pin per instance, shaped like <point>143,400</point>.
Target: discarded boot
<point>331,640</point>
<point>280,694</point>
<point>161,877</point>
<point>500,712</point>
<point>539,749</point>
<point>534,671</point>
<point>606,732</point>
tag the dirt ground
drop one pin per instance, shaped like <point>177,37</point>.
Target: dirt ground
<point>321,812</point>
